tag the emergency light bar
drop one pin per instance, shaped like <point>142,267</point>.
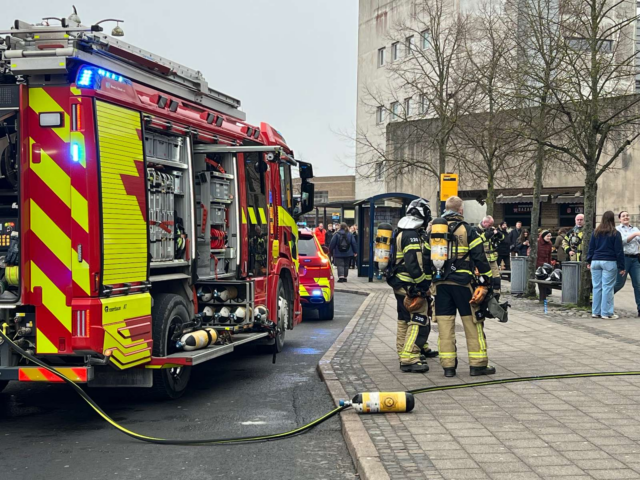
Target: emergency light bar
<point>91,77</point>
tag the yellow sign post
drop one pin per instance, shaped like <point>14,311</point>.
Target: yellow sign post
<point>448,186</point>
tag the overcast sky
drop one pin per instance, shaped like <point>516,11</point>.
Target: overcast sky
<point>292,63</point>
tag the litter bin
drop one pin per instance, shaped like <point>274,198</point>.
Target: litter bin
<point>571,273</point>
<point>519,274</point>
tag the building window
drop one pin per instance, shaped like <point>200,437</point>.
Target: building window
<point>381,55</point>
<point>380,115</point>
<point>395,51</point>
<point>379,171</point>
<point>409,44</point>
<point>423,105</point>
<point>395,110</point>
<point>426,39</point>
<point>579,44</point>
<point>321,197</point>
<point>407,107</point>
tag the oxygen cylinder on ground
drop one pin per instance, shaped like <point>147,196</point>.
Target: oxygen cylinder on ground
<point>225,293</point>
<point>381,402</point>
<point>383,245</point>
<point>439,243</point>
<point>239,315</point>
<point>198,339</point>
<point>260,313</point>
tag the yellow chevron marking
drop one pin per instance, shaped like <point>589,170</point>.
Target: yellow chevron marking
<point>81,275</point>
<point>303,291</point>
<point>76,91</point>
<point>252,216</point>
<point>43,344</point>
<point>324,282</point>
<point>40,101</point>
<point>50,234</point>
<point>51,174</point>
<point>263,217</point>
<point>80,209</point>
<point>244,217</point>
<point>52,297</point>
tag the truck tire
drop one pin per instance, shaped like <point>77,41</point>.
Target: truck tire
<point>325,312</point>
<point>169,312</point>
<point>284,312</point>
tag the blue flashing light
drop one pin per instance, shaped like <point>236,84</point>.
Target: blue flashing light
<point>317,292</point>
<point>75,152</point>
<point>89,77</point>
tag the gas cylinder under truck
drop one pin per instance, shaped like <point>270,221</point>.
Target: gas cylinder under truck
<point>139,214</point>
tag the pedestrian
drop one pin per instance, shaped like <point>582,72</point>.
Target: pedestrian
<point>342,249</point>
<point>354,232</point>
<point>562,235</point>
<point>544,254</point>
<point>455,293</point>
<point>522,245</point>
<point>572,244</point>
<point>504,247</point>
<point>320,234</point>
<point>605,259</point>
<point>514,235</point>
<point>329,234</point>
<point>631,243</point>
<point>490,238</point>
<point>410,282</point>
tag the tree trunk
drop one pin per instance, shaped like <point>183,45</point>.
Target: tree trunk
<point>535,218</point>
<point>590,186</point>
<point>491,194</point>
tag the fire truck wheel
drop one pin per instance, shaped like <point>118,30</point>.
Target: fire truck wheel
<point>285,311</point>
<point>325,312</point>
<point>168,314</point>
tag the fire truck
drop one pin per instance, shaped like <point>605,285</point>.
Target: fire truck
<point>146,227</point>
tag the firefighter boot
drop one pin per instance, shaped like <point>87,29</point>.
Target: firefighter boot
<point>447,342</point>
<point>419,367</point>
<point>451,372</point>
<point>477,371</point>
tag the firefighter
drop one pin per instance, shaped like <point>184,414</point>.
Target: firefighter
<point>572,243</point>
<point>410,282</point>
<point>454,291</point>
<point>491,237</point>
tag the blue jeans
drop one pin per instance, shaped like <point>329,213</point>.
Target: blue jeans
<point>631,267</point>
<point>603,279</point>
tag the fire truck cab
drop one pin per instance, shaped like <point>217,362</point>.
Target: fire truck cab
<point>145,226</point>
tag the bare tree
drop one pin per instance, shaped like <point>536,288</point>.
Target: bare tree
<point>486,142</point>
<point>425,82</point>
<point>592,96</point>
<point>534,29</point>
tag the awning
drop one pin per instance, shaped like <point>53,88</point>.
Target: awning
<point>569,199</point>
<point>519,198</point>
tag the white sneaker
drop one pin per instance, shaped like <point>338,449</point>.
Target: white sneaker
<point>612,317</point>
<point>593,315</point>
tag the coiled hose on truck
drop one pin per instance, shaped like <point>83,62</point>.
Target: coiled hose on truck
<point>296,431</point>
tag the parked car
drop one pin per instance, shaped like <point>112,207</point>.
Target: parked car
<point>316,275</point>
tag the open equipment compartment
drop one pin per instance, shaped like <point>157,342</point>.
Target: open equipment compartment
<point>217,228</point>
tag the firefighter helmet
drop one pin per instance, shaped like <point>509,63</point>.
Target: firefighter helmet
<point>556,275</point>
<point>418,214</point>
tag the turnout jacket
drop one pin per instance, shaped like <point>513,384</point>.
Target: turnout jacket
<point>568,245</point>
<point>487,236</point>
<point>467,255</point>
<point>410,264</point>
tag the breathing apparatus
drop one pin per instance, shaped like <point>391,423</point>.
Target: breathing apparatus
<point>383,245</point>
<point>439,242</point>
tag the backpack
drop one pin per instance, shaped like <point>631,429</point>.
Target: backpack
<point>344,244</point>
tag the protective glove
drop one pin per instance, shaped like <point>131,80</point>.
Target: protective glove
<point>13,254</point>
<point>478,295</point>
<point>414,304</point>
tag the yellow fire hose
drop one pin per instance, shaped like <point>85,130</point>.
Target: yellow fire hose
<point>299,430</point>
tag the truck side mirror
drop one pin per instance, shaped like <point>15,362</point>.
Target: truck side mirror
<point>306,203</point>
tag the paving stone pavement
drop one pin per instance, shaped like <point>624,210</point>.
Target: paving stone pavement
<point>569,429</point>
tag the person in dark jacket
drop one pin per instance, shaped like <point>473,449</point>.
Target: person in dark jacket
<point>522,246</point>
<point>605,259</point>
<point>514,235</point>
<point>562,235</point>
<point>329,235</point>
<point>343,248</point>
<point>354,233</point>
<point>544,248</point>
<point>504,248</point>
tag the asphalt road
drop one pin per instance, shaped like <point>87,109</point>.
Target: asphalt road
<point>48,432</point>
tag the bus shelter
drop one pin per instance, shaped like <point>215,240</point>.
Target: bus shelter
<point>371,212</point>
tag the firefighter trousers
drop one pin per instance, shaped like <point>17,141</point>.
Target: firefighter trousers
<point>412,333</point>
<point>497,278</point>
<point>452,298</point>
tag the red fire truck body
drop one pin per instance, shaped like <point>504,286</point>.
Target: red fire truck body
<point>142,208</point>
